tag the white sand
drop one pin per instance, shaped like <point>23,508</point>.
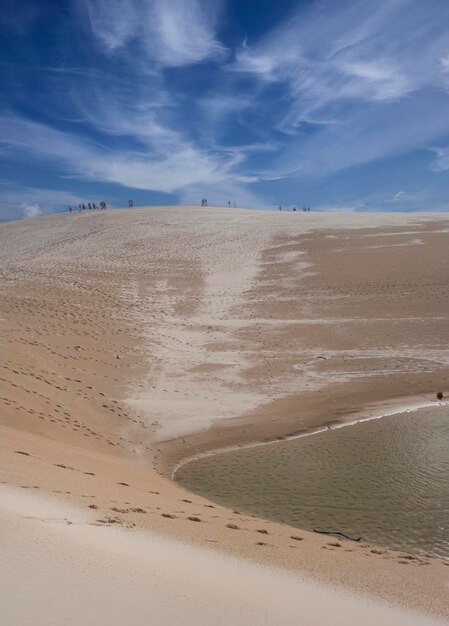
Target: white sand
<point>60,569</point>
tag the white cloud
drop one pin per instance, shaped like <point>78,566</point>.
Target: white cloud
<point>180,165</point>
<point>412,200</point>
<point>113,22</point>
<point>349,51</point>
<point>334,86</point>
<point>182,31</point>
<point>378,80</point>
<point>400,196</point>
<point>188,172</point>
<point>441,161</point>
<point>368,76</point>
<point>445,63</point>
<point>17,200</point>
<point>364,134</point>
<point>172,32</point>
<point>269,62</point>
<point>217,106</point>
<point>31,210</point>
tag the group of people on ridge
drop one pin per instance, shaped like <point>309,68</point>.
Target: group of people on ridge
<point>305,208</point>
<point>90,206</point>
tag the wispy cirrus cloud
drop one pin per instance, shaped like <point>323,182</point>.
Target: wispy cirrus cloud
<point>128,131</point>
<point>351,51</point>
<point>412,200</point>
<point>358,78</point>
<point>445,63</point>
<point>178,164</point>
<point>156,95</point>
<point>399,196</point>
<point>173,33</point>
<point>402,201</point>
<point>441,160</point>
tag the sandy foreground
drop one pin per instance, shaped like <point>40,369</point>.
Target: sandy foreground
<point>133,339</point>
<point>70,571</point>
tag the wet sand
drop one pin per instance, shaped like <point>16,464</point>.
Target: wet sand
<point>134,339</point>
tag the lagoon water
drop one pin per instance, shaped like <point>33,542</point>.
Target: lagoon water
<point>385,480</point>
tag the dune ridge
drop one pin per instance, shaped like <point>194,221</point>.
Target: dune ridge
<point>132,339</point>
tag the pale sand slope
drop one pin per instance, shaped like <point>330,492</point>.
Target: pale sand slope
<point>58,568</point>
<point>229,326</point>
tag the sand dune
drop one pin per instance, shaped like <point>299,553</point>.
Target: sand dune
<point>131,340</point>
<point>70,571</point>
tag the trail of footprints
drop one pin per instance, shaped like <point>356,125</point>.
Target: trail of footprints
<point>49,387</point>
<point>121,512</point>
<point>64,310</point>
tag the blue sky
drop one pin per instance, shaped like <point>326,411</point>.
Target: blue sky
<point>337,104</point>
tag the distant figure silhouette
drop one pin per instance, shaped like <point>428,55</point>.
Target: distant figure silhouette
<point>130,203</point>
